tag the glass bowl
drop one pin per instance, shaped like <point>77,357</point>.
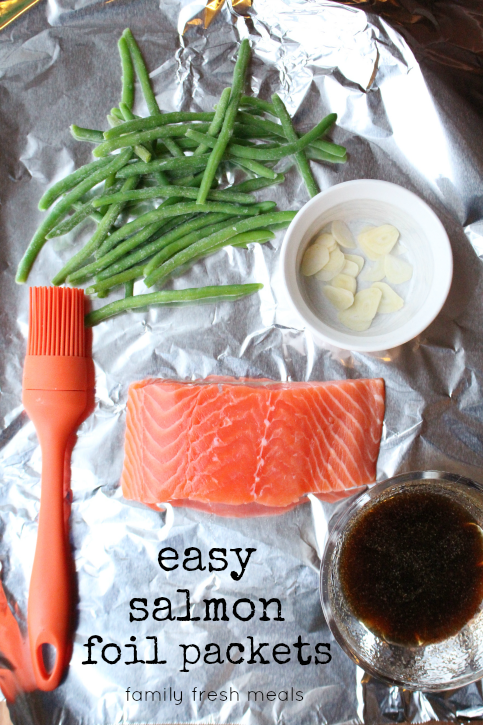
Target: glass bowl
<point>451,663</point>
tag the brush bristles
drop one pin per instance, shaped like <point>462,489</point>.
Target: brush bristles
<point>56,322</point>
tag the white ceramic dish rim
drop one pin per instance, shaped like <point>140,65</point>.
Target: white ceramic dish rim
<point>395,195</point>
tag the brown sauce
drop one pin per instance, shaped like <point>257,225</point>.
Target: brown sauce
<point>411,568</point>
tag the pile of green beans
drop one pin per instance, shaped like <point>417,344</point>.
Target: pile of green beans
<point>181,157</point>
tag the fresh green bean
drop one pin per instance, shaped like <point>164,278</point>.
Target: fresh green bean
<point>79,215</point>
<point>226,132</point>
<point>257,236</point>
<point>256,168</point>
<point>187,162</point>
<point>162,212</point>
<point>129,288</point>
<point>257,103</point>
<point>86,134</point>
<point>102,288</point>
<point>97,238</point>
<point>300,157</point>
<point>68,183</point>
<point>161,119</point>
<point>143,76</point>
<point>216,294</point>
<point>271,154</point>
<point>204,245</point>
<point>131,139</point>
<point>116,113</point>
<point>94,215</point>
<point>160,192</point>
<point>61,209</point>
<point>147,232</point>
<point>260,125</point>
<point>314,152</point>
<point>140,150</point>
<point>164,250</point>
<point>260,183</point>
<point>128,115</point>
<point>217,122</point>
<point>329,147</point>
<point>127,73</point>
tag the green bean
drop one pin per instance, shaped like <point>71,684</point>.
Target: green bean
<point>158,215</point>
<point>204,245</point>
<point>102,288</point>
<point>94,215</point>
<point>140,150</point>
<point>260,125</point>
<point>72,221</point>
<point>86,134</point>
<point>315,153</point>
<point>68,183</point>
<point>160,119</point>
<point>143,76</point>
<point>96,240</point>
<point>217,122</point>
<point>260,183</point>
<point>187,143</point>
<point>61,209</point>
<point>145,233</point>
<point>257,103</point>
<point>129,288</point>
<point>256,168</point>
<point>131,139</point>
<point>116,113</point>
<point>128,115</point>
<point>127,73</point>
<point>257,236</point>
<point>187,162</point>
<point>164,213</point>
<point>300,157</point>
<point>329,147</point>
<point>164,250</point>
<point>160,192</point>
<point>228,121</point>
<point>217,294</point>
<point>272,154</point>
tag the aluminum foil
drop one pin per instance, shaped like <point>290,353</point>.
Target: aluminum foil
<point>59,65</point>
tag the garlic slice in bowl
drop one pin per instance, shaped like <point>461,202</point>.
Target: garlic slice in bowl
<point>356,259</point>
<point>326,240</point>
<point>397,270</point>
<point>360,315</point>
<point>345,281</point>
<point>315,257</point>
<point>340,298</point>
<point>378,241</point>
<point>390,300</point>
<point>333,267</point>
<point>343,235</point>
<point>374,273</point>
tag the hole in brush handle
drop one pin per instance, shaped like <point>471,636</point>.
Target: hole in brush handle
<point>48,654</point>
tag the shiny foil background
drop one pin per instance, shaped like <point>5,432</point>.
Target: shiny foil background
<point>415,125</point>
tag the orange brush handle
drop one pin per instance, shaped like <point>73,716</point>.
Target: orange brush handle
<point>56,415</point>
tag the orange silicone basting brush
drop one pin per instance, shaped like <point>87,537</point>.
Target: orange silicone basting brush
<point>57,378</point>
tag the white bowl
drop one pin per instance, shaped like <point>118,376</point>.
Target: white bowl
<point>426,245</point>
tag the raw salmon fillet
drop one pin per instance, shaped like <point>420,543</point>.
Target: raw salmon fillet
<point>241,442</point>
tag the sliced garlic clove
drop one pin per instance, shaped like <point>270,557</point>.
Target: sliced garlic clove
<point>333,266</point>
<point>360,261</point>
<point>326,240</point>
<point>398,249</point>
<point>378,241</point>
<point>360,315</point>
<point>390,300</point>
<point>397,270</point>
<point>350,268</point>
<point>340,298</point>
<point>374,273</point>
<point>345,281</point>
<point>343,235</point>
<point>315,257</point>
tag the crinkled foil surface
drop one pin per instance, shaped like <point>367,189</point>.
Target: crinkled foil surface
<point>59,65</point>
